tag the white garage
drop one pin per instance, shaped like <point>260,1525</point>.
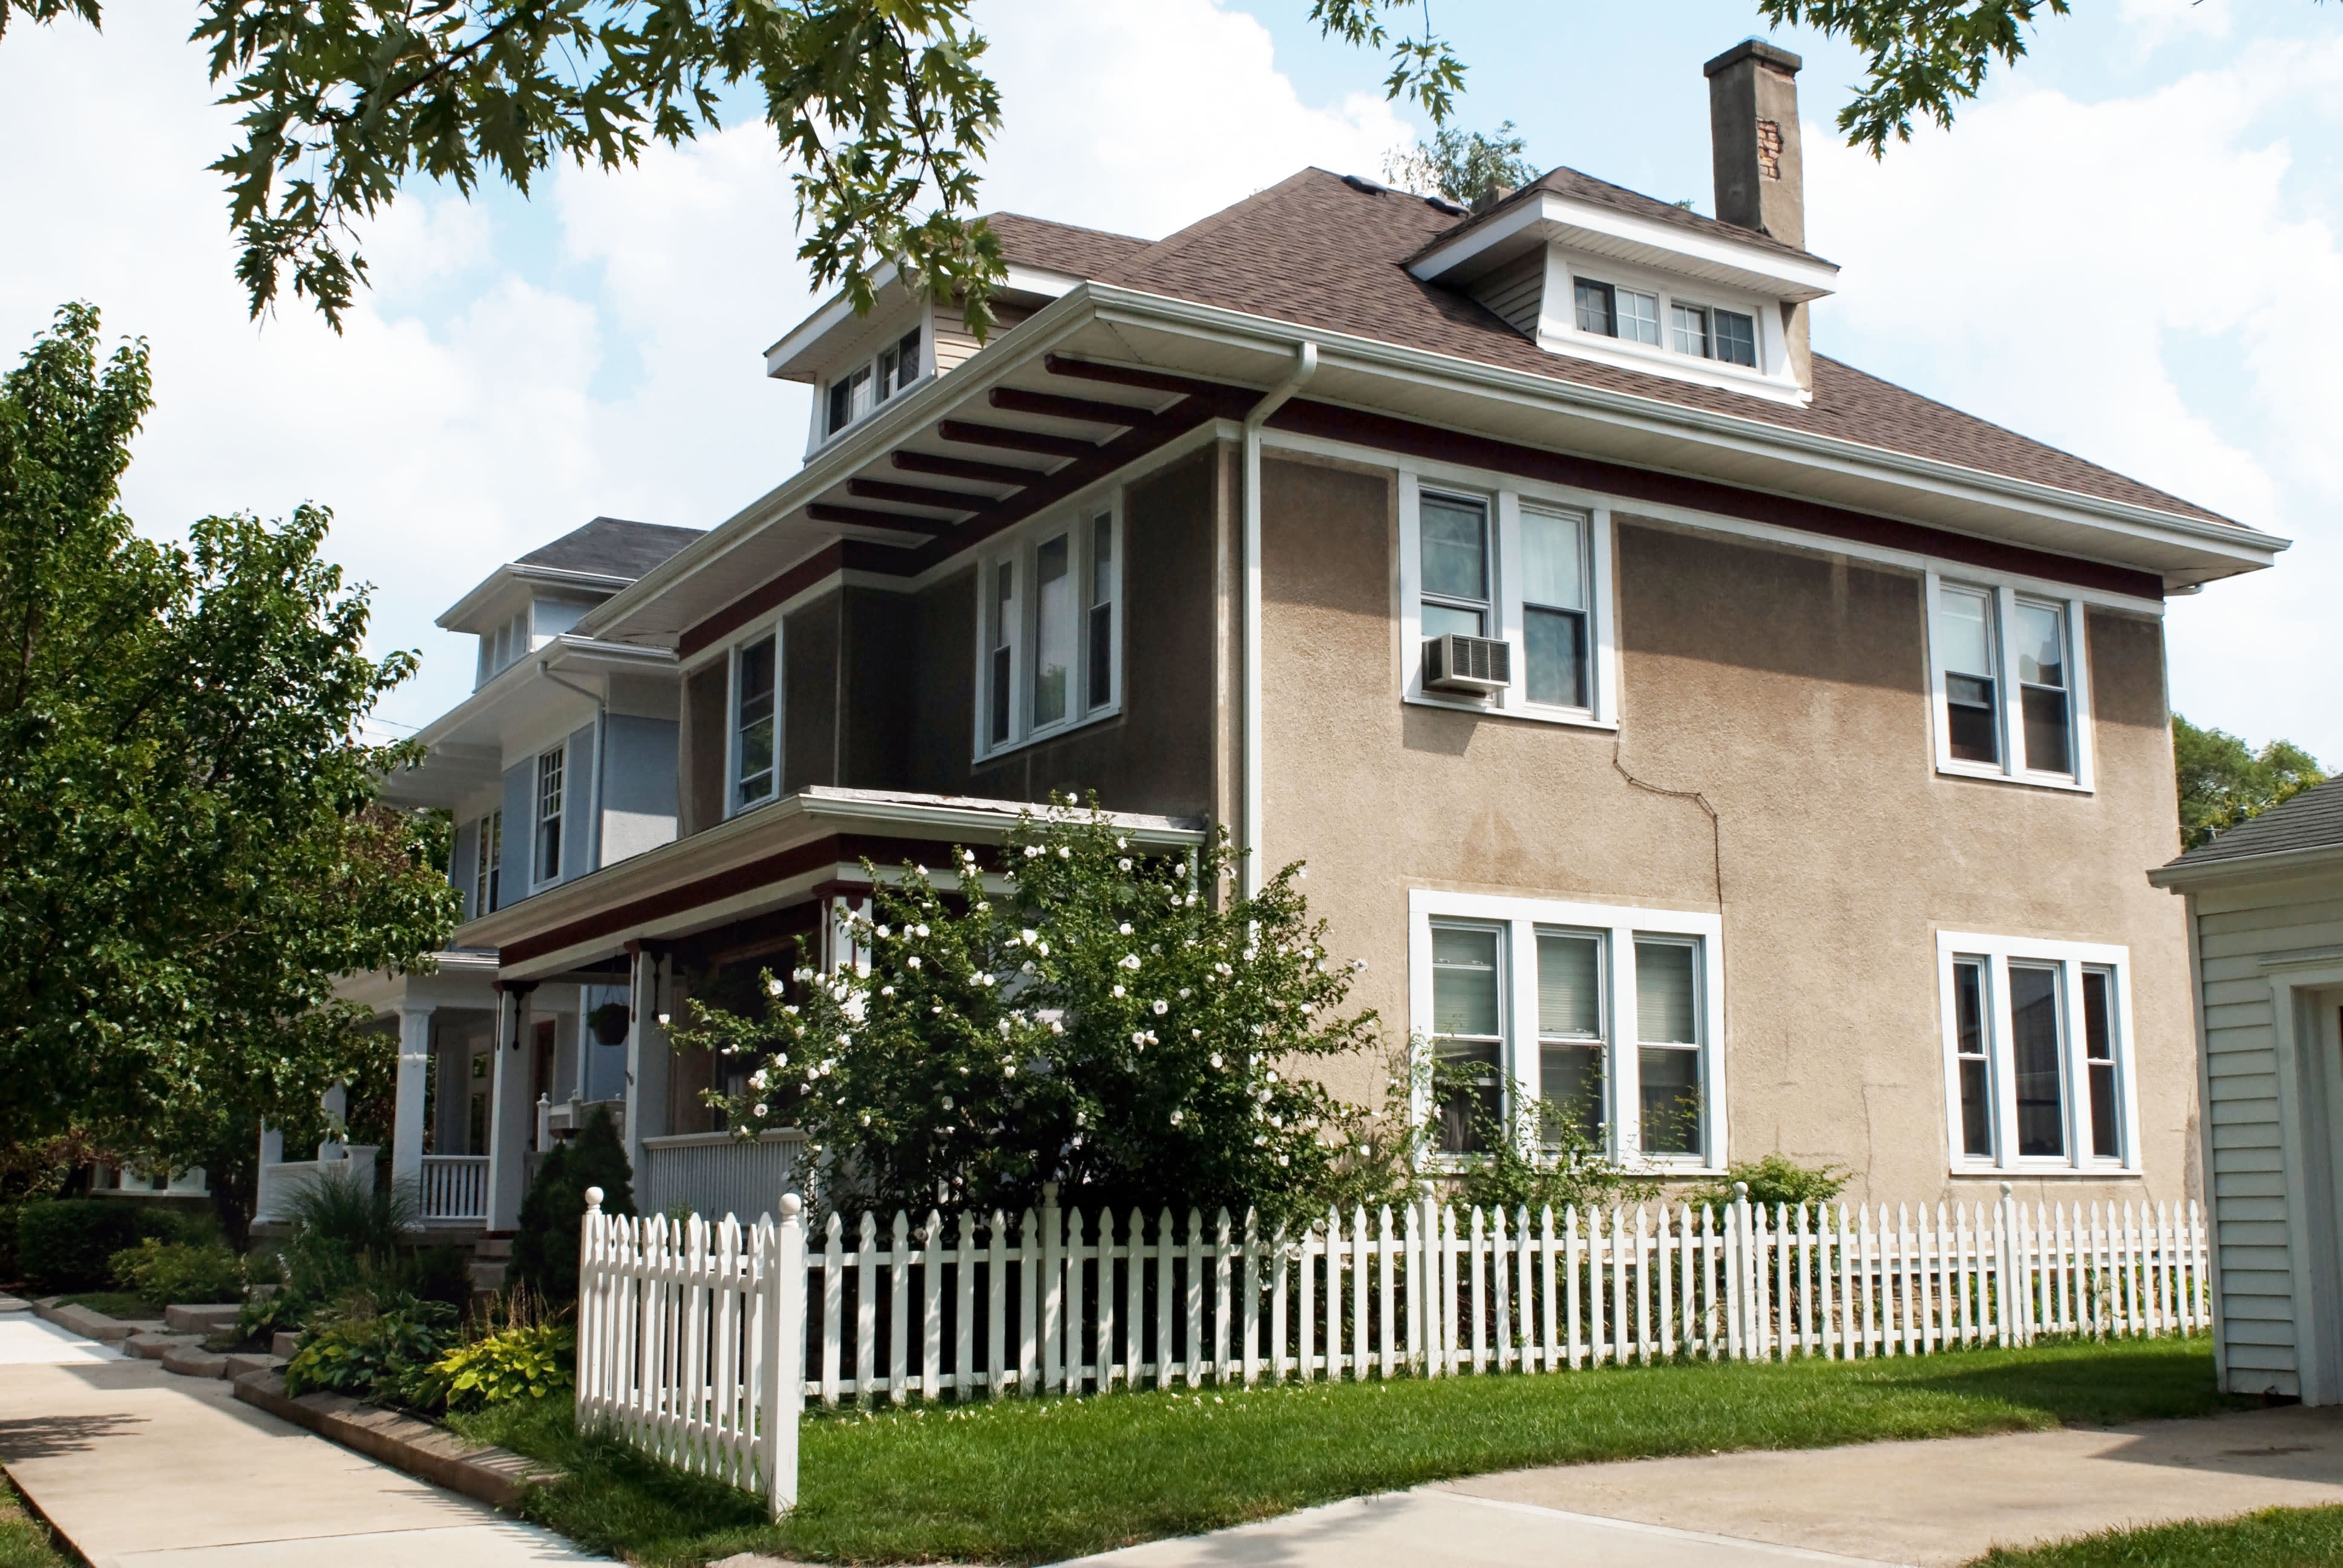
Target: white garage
<point>2266,941</point>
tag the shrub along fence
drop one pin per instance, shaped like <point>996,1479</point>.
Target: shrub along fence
<point>700,1341</point>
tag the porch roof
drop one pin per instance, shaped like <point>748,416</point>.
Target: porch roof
<point>762,861</point>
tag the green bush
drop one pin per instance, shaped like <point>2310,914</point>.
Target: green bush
<point>347,1232</point>
<point>544,1249</point>
<point>69,1244</point>
<point>164,1273</point>
<point>1771,1181</point>
<point>11,1273</point>
<point>362,1345</point>
<point>523,1361</point>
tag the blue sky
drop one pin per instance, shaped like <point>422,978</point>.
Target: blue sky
<point>2126,249</point>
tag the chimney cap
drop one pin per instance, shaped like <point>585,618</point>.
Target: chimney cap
<point>1773,55</point>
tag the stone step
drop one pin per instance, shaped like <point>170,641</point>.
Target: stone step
<point>492,1247</point>
<point>201,1318</point>
<point>193,1360</point>
<point>154,1347</point>
<point>242,1362</point>
<point>487,1274</point>
<point>283,1344</point>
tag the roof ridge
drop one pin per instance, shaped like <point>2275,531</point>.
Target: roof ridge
<point>1179,239</point>
<point>1071,227</point>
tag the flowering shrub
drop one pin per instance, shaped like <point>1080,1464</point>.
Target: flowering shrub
<point>1091,1017</point>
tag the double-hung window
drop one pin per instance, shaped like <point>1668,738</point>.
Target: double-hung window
<point>756,720</point>
<point>2037,1055</point>
<point>1569,1026</point>
<point>1518,568</point>
<point>1713,334</point>
<point>547,846</point>
<point>487,872</point>
<point>1049,642</point>
<point>2009,693</point>
<point>1609,310</point>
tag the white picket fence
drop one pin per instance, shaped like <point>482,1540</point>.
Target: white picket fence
<point>673,1316</point>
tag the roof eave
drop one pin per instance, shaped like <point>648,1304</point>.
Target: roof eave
<point>2184,874</point>
<point>1557,216</point>
<point>517,572</point>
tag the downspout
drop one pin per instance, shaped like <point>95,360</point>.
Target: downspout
<point>601,747</point>
<point>1305,366</point>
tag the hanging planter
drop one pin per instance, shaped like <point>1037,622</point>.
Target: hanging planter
<point>609,1022</point>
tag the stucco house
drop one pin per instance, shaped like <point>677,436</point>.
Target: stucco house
<point>2265,921</point>
<point>1658,704</point>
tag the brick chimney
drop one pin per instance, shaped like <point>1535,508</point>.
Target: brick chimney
<point>1753,121</point>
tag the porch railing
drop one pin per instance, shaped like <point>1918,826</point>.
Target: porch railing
<point>717,1173</point>
<point>455,1187</point>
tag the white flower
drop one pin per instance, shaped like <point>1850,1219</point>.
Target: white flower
<point>1056,1027</point>
<point>782,1060</point>
<point>866,1119</point>
<point>827,1063</point>
<point>912,962</point>
<point>1139,1037</point>
<point>1128,960</point>
<point>1032,851</point>
<point>1041,948</point>
<point>844,1041</point>
<point>774,986</point>
<point>756,1109</point>
<point>1216,1059</point>
<point>1161,1006</point>
<point>982,907</point>
<point>921,930</point>
<point>1195,1034</point>
<point>921,872</point>
<point>1065,852</point>
<point>1125,927</point>
<point>984,980</point>
<point>1307,1008</point>
<point>1272,1075</point>
<point>1178,1117</point>
<point>1185,992</point>
<point>1223,970</point>
<point>1191,901</point>
<point>792,1010</point>
<point>1281,1159</point>
<point>1118,990</point>
<point>1123,864</point>
<point>1028,935</point>
<point>756,1080</point>
<point>1358,966</point>
<point>886,991</point>
<point>1121,843</point>
<point>948,1103</point>
<point>1026,968</point>
<point>1008,1070</point>
<point>938,1008</point>
<point>663,1020</point>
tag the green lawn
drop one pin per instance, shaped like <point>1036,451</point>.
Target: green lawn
<point>25,1541</point>
<point>2279,1538</point>
<point>1037,1481</point>
<point>114,1303</point>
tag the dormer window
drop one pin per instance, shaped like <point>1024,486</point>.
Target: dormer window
<point>1614,312</point>
<point>853,396</point>
<point>1726,335</point>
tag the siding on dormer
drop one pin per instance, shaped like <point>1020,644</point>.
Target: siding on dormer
<point>1516,291</point>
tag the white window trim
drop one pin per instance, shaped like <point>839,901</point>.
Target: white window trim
<point>1019,545</point>
<point>1505,498</point>
<point>537,813</point>
<point>733,805</point>
<point>1619,925</point>
<point>1558,330</point>
<point>2070,959</point>
<point>2006,596</point>
<point>924,322</point>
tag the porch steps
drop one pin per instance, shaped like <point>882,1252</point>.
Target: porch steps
<point>207,1318</point>
<point>491,1255</point>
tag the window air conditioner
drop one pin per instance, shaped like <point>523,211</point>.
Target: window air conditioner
<point>1479,665</point>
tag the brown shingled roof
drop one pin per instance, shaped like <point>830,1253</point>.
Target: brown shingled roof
<point>1061,246</point>
<point>1619,199</point>
<point>1318,251</point>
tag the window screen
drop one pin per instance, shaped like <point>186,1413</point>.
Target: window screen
<point>1554,609</point>
<point>1456,565</point>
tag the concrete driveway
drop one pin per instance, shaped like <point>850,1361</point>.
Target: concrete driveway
<point>1939,1503</point>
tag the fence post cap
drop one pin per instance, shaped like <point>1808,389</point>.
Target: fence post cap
<point>2007,1189</point>
<point>593,1200</point>
<point>792,1205</point>
<point>1049,1192</point>
<point>1741,1189</point>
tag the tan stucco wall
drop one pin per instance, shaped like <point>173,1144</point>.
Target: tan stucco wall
<point>1788,689</point>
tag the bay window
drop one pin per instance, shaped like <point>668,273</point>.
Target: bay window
<point>1048,637</point>
<point>1515,568</point>
<point>1526,1003</point>
<point>2037,1058</point>
<point>1987,643</point>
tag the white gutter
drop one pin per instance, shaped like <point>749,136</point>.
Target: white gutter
<point>1305,366</point>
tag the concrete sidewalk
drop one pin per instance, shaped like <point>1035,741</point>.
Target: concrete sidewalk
<point>1938,1503</point>
<point>140,1469</point>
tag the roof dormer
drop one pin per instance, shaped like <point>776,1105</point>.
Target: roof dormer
<point>1592,270</point>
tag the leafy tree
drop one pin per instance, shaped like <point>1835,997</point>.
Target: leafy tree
<point>1099,1020</point>
<point>195,843</point>
<point>2224,781</point>
<point>882,105</point>
<point>1464,167</point>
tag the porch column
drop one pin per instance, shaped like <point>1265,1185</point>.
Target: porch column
<point>337,1104</point>
<point>646,1055</point>
<point>512,1110</point>
<point>406,1105</point>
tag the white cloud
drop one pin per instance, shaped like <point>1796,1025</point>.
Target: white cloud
<point>2126,279</point>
